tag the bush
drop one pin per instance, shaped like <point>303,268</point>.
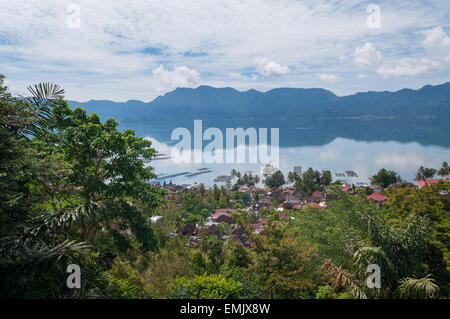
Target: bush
<point>205,287</point>
<point>325,292</point>
<point>125,282</point>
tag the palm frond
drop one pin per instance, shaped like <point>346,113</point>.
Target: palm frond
<point>24,253</point>
<point>412,288</point>
<point>367,255</point>
<point>51,222</point>
<point>344,278</point>
<point>41,99</point>
<point>42,93</point>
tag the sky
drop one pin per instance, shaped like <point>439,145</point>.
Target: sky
<point>121,50</point>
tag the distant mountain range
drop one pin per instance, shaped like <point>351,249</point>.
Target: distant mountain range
<point>205,102</point>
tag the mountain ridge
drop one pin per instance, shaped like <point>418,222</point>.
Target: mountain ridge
<point>210,102</point>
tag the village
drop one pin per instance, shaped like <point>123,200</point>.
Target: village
<point>279,201</point>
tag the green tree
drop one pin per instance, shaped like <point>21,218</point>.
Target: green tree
<point>202,189</point>
<point>198,263</point>
<point>31,262</point>
<point>326,178</point>
<point>400,251</point>
<point>384,178</point>
<point>235,174</point>
<point>292,177</point>
<point>352,233</point>
<point>309,181</point>
<point>426,202</point>
<point>103,173</point>
<point>283,266</point>
<point>424,173</point>
<point>275,180</point>
<point>215,254</point>
<point>67,179</point>
<point>166,265</point>
<point>444,171</point>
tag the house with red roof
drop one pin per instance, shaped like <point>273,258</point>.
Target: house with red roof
<point>317,195</point>
<point>430,181</point>
<point>376,188</point>
<point>290,202</point>
<point>378,198</point>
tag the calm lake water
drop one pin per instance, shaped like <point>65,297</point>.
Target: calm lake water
<point>359,145</point>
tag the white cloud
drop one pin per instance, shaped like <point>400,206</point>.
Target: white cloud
<point>239,76</point>
<point>270,68</point>
<point>366,55</point>
<point>436,37</point>
<point>329,78</point>
<point>437,43</point>
<point>362,76</point>
<point>180,77</point>
<point>408,67</point>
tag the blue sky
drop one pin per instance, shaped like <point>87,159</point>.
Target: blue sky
<point>121,50</point>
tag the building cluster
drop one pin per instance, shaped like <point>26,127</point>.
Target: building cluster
<point>281,199</point>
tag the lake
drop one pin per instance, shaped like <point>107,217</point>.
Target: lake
<point>360,145</point>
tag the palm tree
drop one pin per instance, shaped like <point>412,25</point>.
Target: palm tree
<point>398,252</point>
<point>36,241</point>
<point>444,171</point>
<point>424,173</point>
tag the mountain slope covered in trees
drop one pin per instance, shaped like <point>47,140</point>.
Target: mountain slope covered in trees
<point>227,103</point>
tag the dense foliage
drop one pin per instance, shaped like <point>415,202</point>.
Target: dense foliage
<point>74,191</point>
